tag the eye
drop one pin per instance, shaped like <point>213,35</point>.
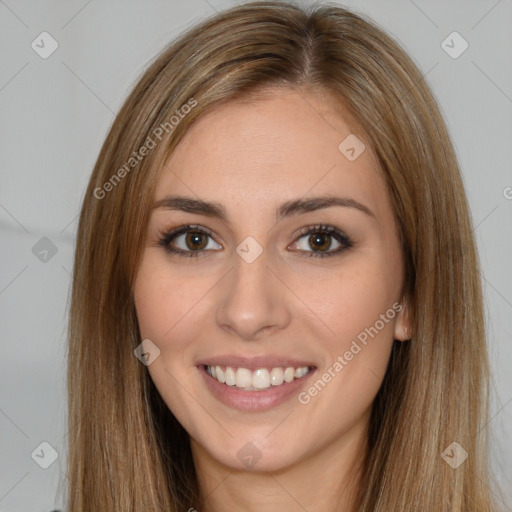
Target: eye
<point>320,239</point>
<point>190,239</point>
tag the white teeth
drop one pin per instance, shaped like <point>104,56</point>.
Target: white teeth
<point>261,379</point>
<point>289,374</point>
<point>220,375</point>
<point>243,378</point>
<point>256,380</point>
<point>300,372</point>
<point>276,377</point>
<point>230,376</point>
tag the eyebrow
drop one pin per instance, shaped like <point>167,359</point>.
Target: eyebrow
<point>287,209</point>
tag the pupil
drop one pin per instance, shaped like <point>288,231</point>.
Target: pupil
<point>317,239</point>
<point>194,239</point>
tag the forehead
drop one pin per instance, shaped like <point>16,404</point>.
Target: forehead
<point>278,146</point>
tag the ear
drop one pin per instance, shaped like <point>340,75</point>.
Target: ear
<point>402,322</point>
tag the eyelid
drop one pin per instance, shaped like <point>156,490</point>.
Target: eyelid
<point>342,238</point>
<point>166,236</point>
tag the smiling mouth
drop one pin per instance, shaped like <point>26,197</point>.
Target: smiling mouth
<point>256,380</point>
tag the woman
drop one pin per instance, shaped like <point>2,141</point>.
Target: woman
<point>276,297</point>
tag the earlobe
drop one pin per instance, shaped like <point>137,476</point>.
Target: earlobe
<point>402,324</point>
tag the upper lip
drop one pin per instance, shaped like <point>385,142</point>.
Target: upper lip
<point>255,362</point>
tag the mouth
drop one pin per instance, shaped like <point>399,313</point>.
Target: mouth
<point>266,384</point>
<point>256,380</point>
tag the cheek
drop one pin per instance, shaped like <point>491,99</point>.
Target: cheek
<point>358,308</point>
<point>169,313</point>
<point>353,298</point>
<point>358,305</point>
<point>164,300</point>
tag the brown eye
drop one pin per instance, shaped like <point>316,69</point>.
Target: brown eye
<point>320,241</point>
<point>196,240</point>
<point>320,238</point>
<point>188,241</point>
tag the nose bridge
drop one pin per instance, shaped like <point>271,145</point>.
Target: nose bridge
<point>251,298</point>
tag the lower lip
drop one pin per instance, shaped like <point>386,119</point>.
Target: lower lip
<point>254,400</point>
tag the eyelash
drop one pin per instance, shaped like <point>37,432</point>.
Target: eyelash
<point>166,237</point>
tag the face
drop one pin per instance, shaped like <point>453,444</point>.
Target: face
<point>274,310</point>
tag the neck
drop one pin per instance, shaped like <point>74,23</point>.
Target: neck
<point>325,481</point>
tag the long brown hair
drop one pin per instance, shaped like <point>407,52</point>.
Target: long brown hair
<point>127,452</point>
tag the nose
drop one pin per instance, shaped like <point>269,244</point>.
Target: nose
<point>252,301</point>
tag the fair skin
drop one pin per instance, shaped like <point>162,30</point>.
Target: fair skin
<point>251,158</point>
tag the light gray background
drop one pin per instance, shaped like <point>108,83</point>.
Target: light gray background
<point>54,115</point>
